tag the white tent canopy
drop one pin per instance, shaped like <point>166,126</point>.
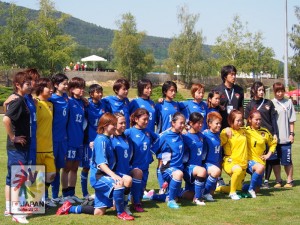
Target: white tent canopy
<point>93,58</point>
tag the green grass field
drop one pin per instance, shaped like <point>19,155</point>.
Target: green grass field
<point>273,206</point>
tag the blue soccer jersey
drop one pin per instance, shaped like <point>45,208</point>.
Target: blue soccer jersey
<point>190,106</point>
<point>115,105</point>
<point>140,142</point>
<point>75,123</point>
<point>60,117</point>
<point>194,148</point>
<point>30,104</point>
<point>164,112</point>
<point>214,151</point>
<point>213,110</point>
<point>103,154</point>
<point>171,147</point>
<point>94,111</point>
<point>149,106</point>
<point>122,153</point>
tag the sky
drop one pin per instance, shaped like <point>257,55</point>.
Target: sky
<point>159,17</point>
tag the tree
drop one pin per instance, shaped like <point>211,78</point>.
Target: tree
<point>14,38</point>
<point>130,59</point>
<point>295,44</point>
<point>245,50</point>
<point>186,49</point>
<point>51,48</point>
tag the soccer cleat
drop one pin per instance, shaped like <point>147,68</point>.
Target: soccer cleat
<point>125,216</point>
<point>7,212</point>
<point>138,207</point>
<point>208,197</point>
<point>76,199</point>
<point>220,182</point>
<point>20,219</point>
<point>127,210</point>
<point>173,205</point>
<point>49,203</point>
<point>64,209</point>
<point>198,202</point>
<point>56,200</point>
<point>164,188</point>
<point>278,184</point>
<point>234,196</point>
<point>289,184</point>
<point>265,185</point>
<point>67,198</point>
<point>148,195</point>
<point>252,193</point>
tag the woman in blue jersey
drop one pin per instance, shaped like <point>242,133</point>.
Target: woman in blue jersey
<point>75,128</point>
<point>194,172</point>
<point>109,187</point>
<point>195,105</point>
<point>93,112</point>
<point>144,89</point>
<point>213,157</point>
<point>213,101</point>
<point>119,102</point>
<point>140,139</point>
<point>123,154</point>
<point>164,111</point>
<point>59,99</point>
<point>171,146</point>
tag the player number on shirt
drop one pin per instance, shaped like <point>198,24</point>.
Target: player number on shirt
<point>150,116</point>
<point>64,112</point>
<point>145,146</point>
<point>217,149</point>
<point>71,154</point>
<point>96,122</point>
<point>78,118</point>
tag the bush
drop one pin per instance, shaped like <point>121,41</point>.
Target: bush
<point>4,93</point>
<point>156,94</point>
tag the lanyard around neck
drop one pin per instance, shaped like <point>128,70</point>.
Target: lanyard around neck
<point>261,104</point>
<point>232,93</point>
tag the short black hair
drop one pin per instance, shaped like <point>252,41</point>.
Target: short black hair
<point>227,70</point>
<point>95,87</point>
<point>166,86</point>
<point>141,86</point>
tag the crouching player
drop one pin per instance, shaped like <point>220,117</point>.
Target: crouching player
<point>109,187</point>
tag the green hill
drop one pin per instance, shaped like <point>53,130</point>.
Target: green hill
<point>94,37</point>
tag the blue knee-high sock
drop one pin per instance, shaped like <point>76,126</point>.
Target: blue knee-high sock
<point>84,182</point>
<point>159,198</point>
<point>46,193</point>
<point>210,184</point>
<point>160,178</point>
<point>118,197</point>
<point>55,185</point>
<point>136,189</point>
<point>71,191</point>
<point>255,180</point>
<point>174,188</point>
<point>76,209</point>
<point>199,188</point>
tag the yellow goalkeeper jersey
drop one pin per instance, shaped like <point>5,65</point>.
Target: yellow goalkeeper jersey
<point>235,148</point>
<point>257,141</point>
<point>44,117</point>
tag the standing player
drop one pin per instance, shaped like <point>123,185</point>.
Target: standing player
<point>171,146</point>
<point>195,105</point>
<point>213,101</point>
<point>44,141</point>
<point>140,140</point>
<point>144,88</point>
<point>75,133</point>
<point>120,102</point>
<point>94,111</point>
<point>59,99</point>
<point>268,120</point>
<point>213,157</point>
<point>231,95</point>
<point>164,112</point>
<point>194,172</point>
<point>286,118</point>
<point>17,125</point>
<point>258,139</point>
